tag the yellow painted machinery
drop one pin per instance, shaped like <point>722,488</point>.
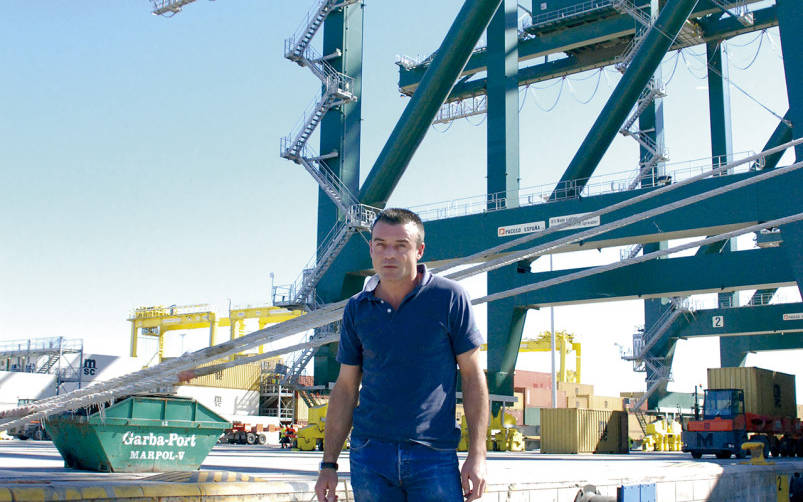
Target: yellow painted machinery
<point>157,321</point>
<point>663,435</point>
<point>312,436</point>
<point>502,435</point>
<point>264,315</point>
<point>564,343</point>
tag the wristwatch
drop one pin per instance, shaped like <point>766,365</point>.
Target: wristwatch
<point>329,465</point>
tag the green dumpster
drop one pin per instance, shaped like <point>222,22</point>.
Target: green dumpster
<point>138,434</point>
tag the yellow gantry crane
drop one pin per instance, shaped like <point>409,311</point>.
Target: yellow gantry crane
<point>157,321</point>
<point>564,343</point>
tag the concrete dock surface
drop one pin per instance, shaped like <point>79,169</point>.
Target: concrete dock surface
<point>34,471</point>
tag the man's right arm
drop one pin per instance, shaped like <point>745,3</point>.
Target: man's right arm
<point>339,415</point>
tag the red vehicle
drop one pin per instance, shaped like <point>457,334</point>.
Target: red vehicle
<point>244,434</point>
<point>725,426</point>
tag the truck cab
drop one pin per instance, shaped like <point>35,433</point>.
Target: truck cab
<point>722,428</point>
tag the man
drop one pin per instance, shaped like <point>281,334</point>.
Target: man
<point>403,338</point>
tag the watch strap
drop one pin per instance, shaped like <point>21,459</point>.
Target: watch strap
<point>329,465</point>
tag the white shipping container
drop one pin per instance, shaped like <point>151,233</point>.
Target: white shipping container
<point>226,402</point>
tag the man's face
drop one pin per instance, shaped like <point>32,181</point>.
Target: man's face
<point>395,251</point>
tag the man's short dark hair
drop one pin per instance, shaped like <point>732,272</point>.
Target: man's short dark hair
<point>399,216</point>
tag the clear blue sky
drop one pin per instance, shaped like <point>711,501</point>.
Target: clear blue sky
<point>140,155</point>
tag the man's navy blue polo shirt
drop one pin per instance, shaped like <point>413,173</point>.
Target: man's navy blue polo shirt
<point>408,360</point>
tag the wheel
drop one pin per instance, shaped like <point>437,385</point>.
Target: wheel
<point>37,435</point>
<point>305,443</point>
<point>262,439</point>
<point>723,454</point>
<point>319,444</point>
<point>775,447</point>
<point>696,454</point>
<point>250,438</point>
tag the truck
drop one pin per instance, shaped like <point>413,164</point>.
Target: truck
<point>243,433</point>
<point>745,404</point>
<point>32,430</point>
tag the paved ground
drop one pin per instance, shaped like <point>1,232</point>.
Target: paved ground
<point>555,477</point>
<point>38,459</point>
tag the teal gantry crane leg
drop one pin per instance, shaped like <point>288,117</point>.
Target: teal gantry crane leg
<point>719,113</point>
<point>505,322</point>
<point>340,137</point>
<point>646,60</point>
<point>790,27</point>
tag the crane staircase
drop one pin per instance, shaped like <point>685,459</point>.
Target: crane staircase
<point>303,357</point>
<point>655,152</point>
<point>337,90</point>
<point>657,369</point>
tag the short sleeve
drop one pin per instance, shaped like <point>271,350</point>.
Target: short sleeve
<point>349,350</point>
<point>463,330</point>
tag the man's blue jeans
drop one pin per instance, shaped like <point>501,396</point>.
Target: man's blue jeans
<point>391,471</point>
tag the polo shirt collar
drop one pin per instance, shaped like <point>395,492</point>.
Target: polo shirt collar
<point>373,282</point>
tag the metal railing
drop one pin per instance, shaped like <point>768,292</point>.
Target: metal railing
<point>576,10</point>
<point>597,185</point>
<point>754,301</point>
<point>309,25</point>
<point>42,345</point>
<point>168,310</point>
<point>467,107</point>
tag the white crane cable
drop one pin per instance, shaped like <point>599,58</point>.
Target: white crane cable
<point>148,378</point>
<point>482,256</point>
<point>158,381</point>
<point>638,259</point>
<point>559,243</point>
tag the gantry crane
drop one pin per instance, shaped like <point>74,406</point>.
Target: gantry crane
<point>156,321</point>
<point>564,342</point>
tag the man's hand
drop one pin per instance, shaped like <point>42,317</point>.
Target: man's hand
<point>472,477</point>
<point>326,486</point>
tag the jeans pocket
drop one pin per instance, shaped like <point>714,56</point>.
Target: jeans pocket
<point>357,444</point>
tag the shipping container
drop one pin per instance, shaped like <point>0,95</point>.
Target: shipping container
<point>532,416</point>
<point>768,393</point>
<point>576,389</point>
<point>225,402</point>
<point>531,379</point>
<point>242,377</point>
<point>519,404</point>
<point>577,402</point>
<point>574,430</point>
<point>606,403</point>
<point>542,398</point>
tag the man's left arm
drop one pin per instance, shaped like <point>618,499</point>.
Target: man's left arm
<point>475,404</point>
